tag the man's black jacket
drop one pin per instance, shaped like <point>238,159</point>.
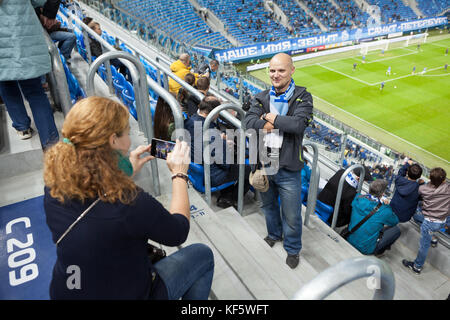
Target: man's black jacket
<point>293,124</point>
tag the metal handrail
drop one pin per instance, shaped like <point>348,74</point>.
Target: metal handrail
<point>159,66</point>
<point>341,187</point>
<point>141,96</point>
<point>168,73</point>
<point>313,183</point>
<point>241,153</point>
<point>57,78</point>
<point>381,278</point>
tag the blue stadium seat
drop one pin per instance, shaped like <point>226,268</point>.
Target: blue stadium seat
<point>196,176</point>
<point>119,84</point>
<point>128,96</point>
<point>323,211</point>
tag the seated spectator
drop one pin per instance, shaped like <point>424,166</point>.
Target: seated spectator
<point>184,95</point>
<point>220,172</point>
<point>329,192</point>
<point>406,196</point>
<point>65,38</point>
<point>372,237</point>
<point>193,101</point>
<point>97,50</point>
<point>181,67</point>
<point>164,124</point>
<point>21,66</point>
<point>87,20</point>
<point>90,171</point>
<point>436,209</point>
<point>207,68</point>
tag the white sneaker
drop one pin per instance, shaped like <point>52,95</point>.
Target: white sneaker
<point>26,134</point>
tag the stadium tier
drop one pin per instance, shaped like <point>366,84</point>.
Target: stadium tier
<point>393,10</point>
<point>302,24</point>
<point>431,8</point>
<point>328,14</point>
<point>247,21</point>
<point>177,19</point>
<point>352,12</point>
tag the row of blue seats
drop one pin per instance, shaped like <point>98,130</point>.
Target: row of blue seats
<point>75,90</point>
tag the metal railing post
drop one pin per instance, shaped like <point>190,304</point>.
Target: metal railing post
<point>341,187</point>
<point>380,277</point>
<point>241,153</point>
<point>313,184</point>
<point>138,76</point>
<point>58,77</point>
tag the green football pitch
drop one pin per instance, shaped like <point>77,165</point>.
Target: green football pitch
<point>411,114</point>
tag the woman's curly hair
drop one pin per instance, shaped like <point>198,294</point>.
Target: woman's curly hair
<point>87,167</point>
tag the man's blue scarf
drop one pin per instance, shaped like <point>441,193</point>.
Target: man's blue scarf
<point>281,103</point>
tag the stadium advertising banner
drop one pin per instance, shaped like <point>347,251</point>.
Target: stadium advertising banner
<point>297,45</point>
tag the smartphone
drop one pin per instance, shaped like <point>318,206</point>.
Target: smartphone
<point>160,148</point>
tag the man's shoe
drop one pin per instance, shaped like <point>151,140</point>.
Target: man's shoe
<point>270,241</point>
<point>292,260</point>
<point>224,202</point>
<point>25,134</point>
<point>410,265</point>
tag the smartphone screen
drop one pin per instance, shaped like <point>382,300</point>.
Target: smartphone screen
<point>160,148</point>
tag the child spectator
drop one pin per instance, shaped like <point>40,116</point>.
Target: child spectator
<point>406,196</point>
<point>436,209</point>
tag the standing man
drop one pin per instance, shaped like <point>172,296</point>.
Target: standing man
<point>282,114</point>
<point>181,68</point>
<point>382,86</point>
<point>207,68</point>
<point>354,66</point>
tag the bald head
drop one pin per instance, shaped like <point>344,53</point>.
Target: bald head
<point>185,58</point>
<point>281,69</point>
<point>283,58</point>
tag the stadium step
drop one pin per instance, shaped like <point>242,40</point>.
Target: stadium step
<point>438,257</point>
<point>243,269</point>
<point>322,248</point>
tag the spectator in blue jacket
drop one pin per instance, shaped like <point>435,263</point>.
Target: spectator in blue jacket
<point>372,237</point>
<point>406,197</point>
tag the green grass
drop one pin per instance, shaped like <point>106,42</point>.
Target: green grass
<point>411,114</point>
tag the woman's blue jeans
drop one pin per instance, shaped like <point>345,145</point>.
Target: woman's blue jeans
<point>11,92</point>
<point>188,273</point>
<point>287,185</point>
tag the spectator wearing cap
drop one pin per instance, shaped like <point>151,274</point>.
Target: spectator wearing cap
<point>329,192</point>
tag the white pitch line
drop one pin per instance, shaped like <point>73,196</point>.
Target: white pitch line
<point>389,58</point>
<point>405,76</point>
<point>438,45</point>
<point>381,129</point>
<point>344,74</point>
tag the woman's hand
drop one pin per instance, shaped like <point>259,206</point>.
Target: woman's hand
<point>179,159</point>
<point>135,158</point>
